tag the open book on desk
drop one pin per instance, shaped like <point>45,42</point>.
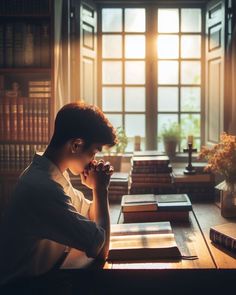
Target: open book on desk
<point>142,241</point>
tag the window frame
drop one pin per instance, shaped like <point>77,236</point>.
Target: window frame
<point>151,65</point>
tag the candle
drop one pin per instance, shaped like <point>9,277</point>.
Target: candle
<point>137,143</point>
<point>190,139</point>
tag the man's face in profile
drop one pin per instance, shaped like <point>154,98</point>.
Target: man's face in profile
<point>81,159</point>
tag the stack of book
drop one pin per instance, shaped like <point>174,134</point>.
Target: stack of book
<point>151,174</point>
<point>150,207</point>
<point>199,186</point>
<point>119,186</point>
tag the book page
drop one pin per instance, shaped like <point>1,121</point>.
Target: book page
<point>145,198</point>
<point>171,198</point>
<point>141,228</point>
<point>153,241</point>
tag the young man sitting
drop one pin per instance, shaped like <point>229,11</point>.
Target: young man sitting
<point>46,215</point>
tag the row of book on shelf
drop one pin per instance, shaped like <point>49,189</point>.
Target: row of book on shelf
<point>16,7</point>
<point>16,157</point>
<point>24,44</point>
<point>26,118</point>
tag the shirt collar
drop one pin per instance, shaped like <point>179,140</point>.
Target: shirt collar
<point>54,172</point>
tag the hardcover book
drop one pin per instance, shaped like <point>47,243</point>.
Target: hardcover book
<point>224,235</point>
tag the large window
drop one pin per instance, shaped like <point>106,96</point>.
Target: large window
<point>146,85</point>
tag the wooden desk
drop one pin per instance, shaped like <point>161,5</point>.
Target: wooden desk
<point>192,239</point>
<point>213,273</point>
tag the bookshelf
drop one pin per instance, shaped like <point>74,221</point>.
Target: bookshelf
<point>26,85</point>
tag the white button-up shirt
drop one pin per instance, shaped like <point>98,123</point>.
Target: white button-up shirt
<point>45,216</point>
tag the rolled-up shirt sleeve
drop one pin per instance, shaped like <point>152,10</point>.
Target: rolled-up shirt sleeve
<point>57,219</point>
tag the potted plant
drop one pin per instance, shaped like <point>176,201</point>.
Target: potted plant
<point>171,137</point>
<point>115,154</point>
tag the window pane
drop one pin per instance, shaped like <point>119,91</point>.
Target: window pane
<point>116,120</point>
<point>168,21</point>
<point>111,46</point>
<point>190,99</point>
<point>135,125</point>
<point>135,99</point>
<point>135,72</point>
<point>168,72</point>
<point>112,99</point>
<point>135,20</point>
<point>111,72</point>
<point>191,20</point>
<point>167,46</point>
<point>164,121</point>
<point>112,20</point>
<point>134,46</point>
<point>190,72</point>
<point>167,99</point>
<point>191,46</point>
<point>190,124</point>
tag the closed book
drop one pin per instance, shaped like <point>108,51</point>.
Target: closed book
<point>150,160</point>
<point>153,216</point>
<point>179,177</point>
<point>224,235</point>
<point>147,153</point>
<point>151,202</point>
<point>142,241</point>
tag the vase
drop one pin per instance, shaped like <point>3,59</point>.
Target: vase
<point>170,147</point>
<point>227,199</point>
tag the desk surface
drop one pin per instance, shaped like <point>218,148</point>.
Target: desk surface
<point>192,239</point>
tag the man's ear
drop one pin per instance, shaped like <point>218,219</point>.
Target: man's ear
<point>77,145</point>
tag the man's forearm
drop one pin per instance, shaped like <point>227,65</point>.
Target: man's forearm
<point>100,214</point>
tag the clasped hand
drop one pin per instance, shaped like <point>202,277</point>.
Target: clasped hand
<point>97,174</point>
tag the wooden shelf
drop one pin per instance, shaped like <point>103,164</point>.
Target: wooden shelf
<point>36,70</point>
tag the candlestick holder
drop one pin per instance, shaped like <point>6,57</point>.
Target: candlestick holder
<point>189,169</point>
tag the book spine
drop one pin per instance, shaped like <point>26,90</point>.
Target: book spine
<point>35,120</point>
<point>2,122</point>
<point>6,109</point>
<point>30,120</point>
<point>40,131</point>
<point>2,45</point>
<point>20,119</point>
<point>222,240</point>
<point>18,44</point>
<point>26,119</point>
<point>9,45</point>
<point>28,45</point>
<point>45,45</point>
<point>13,118</point>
